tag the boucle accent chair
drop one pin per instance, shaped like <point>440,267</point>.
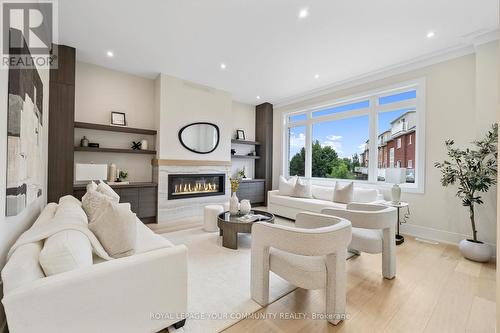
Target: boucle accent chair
<point>373,231</point>
<point>311,255</point>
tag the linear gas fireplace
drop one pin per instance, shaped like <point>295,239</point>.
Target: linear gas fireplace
<point>182,186</point>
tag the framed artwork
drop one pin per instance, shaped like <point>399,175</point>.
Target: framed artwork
<point>118,119</point>
<point>25,171</point>
<point>240,134</point>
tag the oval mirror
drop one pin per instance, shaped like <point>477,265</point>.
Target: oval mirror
<point>200,138</point>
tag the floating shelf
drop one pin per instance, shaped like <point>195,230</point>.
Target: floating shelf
<point>246,156</point>
<point>245,142</point>
<point>115,128</point>
<point>115,150</point>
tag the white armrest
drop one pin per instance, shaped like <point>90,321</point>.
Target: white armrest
<point>114,296</point>
<point>366,216</point>
<point>308,242</point>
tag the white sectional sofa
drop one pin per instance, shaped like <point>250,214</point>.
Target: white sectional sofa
<point>144,292</point>
<point>322,197</point>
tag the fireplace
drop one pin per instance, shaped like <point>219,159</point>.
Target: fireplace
<point>182,186</point>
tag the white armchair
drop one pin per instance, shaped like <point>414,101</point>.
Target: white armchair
<point>311,255</point>
<point>373,231</point>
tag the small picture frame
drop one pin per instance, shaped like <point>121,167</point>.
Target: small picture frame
<point>240,134</point>
<point>118,119</point>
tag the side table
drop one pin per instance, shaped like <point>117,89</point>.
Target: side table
<point>398,205</point>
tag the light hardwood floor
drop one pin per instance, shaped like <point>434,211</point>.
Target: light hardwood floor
<point>435,290</point>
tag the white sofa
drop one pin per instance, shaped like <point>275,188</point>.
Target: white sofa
<point>145,292</point>
<point>289,207</point>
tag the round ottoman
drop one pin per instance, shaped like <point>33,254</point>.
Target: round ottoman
<point>210,213</point>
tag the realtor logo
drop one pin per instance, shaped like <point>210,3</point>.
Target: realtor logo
<point>27,33</point>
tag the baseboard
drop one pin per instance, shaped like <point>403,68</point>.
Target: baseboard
<point>436,235</point>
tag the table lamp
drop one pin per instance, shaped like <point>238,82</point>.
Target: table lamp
<point>395,176</point>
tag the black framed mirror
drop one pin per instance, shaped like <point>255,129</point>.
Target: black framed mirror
<point>200,138</point>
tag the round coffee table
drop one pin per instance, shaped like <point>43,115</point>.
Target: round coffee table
<point>230,226</point>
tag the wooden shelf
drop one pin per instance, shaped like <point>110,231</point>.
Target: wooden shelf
<point>245,142</point>
<point>246,156</point>
<point>115,150</point>
<point>109,128</point>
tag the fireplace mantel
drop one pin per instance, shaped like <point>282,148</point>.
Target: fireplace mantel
<point>163,162</point>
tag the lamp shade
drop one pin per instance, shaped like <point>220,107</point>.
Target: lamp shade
<point>395,175</point>
<point>87,172</point>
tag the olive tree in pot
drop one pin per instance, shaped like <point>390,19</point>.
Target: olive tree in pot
<point>474,171</point>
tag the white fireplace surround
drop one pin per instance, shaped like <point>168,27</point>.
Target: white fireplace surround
<point>188,211</point>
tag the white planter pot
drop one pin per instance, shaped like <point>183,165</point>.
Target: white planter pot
<point>234,204</point>
<point>471,250</point>
<point>245,207</point>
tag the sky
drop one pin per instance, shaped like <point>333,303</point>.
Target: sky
<point>346,136</point>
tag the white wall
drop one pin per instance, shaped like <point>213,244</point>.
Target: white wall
<point>461,103</point>
<point>181,103</point>
<point>98,91</point>
<point>243,118</point>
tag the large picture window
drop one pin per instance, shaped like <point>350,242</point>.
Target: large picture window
<point>336,141</point>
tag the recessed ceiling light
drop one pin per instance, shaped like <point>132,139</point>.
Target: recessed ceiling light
<point>223,66</point>
<point>431,34</point>
<point>110,54</point>
<point>316,76</point>
<point>258,97</point>
<point>303,13</point>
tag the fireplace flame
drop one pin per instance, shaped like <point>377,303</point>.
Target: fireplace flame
<point>188,188</point>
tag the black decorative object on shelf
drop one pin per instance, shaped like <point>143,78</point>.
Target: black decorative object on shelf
<point>136,145</point>
<point>233,151</point>
<point>93,145</point>
<point>240,134</point>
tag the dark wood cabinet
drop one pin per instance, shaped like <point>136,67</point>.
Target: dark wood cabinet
<point>253,190</point>
<point>264,134</point>
<point>143,198</point>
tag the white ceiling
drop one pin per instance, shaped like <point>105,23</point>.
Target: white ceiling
<point>268,51</point>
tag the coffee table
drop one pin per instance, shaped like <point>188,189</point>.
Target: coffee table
<point>230,226</point>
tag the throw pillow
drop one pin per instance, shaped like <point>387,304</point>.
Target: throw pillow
<point>116,229</point>
<point>93,203</point>
<point>322,192</point>
<point>302,189</point>
<point>92,186</point>
<point>286,187</point>
<point>108,191</point>
<point>343,194</point>
<point>365,195</point>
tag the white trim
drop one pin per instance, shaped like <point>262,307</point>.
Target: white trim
<point>402,67</point>
<point>442,236</point>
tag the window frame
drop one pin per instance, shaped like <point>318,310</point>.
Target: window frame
<point>372,111</point>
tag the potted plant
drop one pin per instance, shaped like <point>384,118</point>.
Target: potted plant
<point>474,171</point>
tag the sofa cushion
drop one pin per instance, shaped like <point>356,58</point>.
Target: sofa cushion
<point>286,186</point>
<point>364,195</point>
<point>69,249</point>
<point>23,266</point>
<point>115,227</point>
<point>310,205</point>
<point>302,189</point>
<point>343,194</point>
<point>322,192</point>
<point>147,240</point>
<point>93,202</point>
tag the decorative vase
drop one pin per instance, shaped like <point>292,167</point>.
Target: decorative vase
<point>112,172</point>
<point>144,145</point>
<point>396,194</point>
<point>84,142</point>
<point>245,207</point>
<point>233,204</point>
<point>475,251</point>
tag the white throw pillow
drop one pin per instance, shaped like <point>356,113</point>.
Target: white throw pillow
<point>116,229</point>
<point>302,189</point>
<point>107,190</point>
<point>365,195</point>
<point>322,192</point>
<point>92,186</point>
<point>69,249</point>
<point>93,202</point>
<point>286,187</point>
<point>343,194</point>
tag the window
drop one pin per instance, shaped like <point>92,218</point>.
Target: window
<point>296,150</point>
<point>337,146</point>
<point>337,140</point>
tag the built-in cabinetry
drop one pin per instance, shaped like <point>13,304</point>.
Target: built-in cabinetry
<point>143,198</point>
<point>253,190</point>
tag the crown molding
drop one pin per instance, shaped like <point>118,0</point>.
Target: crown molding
<point>467,47</point>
